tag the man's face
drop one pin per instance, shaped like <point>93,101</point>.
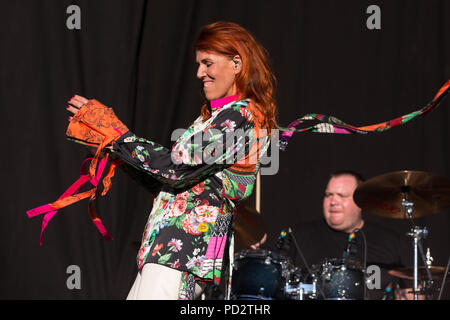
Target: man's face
<point>340,211</point>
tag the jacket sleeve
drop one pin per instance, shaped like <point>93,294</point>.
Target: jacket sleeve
<point>152,185</point>
<point>224,141</point>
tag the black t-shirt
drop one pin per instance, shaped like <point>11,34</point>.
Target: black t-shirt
<point>318,242</point>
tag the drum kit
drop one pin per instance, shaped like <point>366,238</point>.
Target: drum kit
<point>268,275</point>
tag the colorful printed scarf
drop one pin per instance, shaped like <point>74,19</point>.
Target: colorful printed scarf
<point>329,124</point>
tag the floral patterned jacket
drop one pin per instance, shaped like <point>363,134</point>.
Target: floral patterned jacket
<point>199,182</point>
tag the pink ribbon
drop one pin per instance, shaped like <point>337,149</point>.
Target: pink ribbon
<point>74,188</point>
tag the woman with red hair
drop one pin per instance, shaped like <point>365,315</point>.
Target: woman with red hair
<point>209,170</point>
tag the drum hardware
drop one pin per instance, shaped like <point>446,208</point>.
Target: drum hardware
<point>417,234</point>
<point>429,258</point>
<point>425,286</point>
<point>383,195</point>
<point>350,256</point>
<point>296,288</point>
<point>340,279</point>
<point>426,277</point>
<point>301,291</point>
<point>444,279</point>
<point>408,272</point>
<point>399,195</point>
<point>264,275</point>
<point>305,263</point>
<point>261,275</point>
<point>406,195</point>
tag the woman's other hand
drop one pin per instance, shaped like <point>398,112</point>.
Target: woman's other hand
<point>75,104</point>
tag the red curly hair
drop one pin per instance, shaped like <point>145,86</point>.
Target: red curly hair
<point>256,80</point>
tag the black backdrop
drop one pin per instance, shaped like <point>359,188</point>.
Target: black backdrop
<point>136,56</point>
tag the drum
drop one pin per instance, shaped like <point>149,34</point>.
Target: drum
<point>338,279</point>
<point>260,275</point>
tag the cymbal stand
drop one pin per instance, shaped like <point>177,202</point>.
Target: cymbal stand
<point>417,234</point>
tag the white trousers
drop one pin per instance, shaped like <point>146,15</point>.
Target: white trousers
<point>157,282</point>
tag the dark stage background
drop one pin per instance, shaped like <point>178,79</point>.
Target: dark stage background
<point>135,56</point>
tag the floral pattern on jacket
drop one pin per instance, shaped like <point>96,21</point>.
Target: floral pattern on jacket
<point>199,184</point>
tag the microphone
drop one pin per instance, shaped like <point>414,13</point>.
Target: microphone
<point>284,242</point>
<point>351,253</point>
<point>388,293</point>
<point>351,249</point>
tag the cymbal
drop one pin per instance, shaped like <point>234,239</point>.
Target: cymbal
<point>382,195</point>
<point>249,227</point>
<point>408,273</point>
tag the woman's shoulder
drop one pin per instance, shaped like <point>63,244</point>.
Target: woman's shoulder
<point>236,106</point>
<point>238,109</point>
<point>248,109</point>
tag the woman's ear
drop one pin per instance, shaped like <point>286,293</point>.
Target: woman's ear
<point>237,64</point>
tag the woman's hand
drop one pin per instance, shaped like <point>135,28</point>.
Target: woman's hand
<point>75,104</point>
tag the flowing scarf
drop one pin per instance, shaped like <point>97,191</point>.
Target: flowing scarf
<point>320,123</point>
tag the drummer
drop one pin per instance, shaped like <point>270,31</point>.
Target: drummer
<point>344,233</point>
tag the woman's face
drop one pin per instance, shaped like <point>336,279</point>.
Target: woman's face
<point>217,72</point>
